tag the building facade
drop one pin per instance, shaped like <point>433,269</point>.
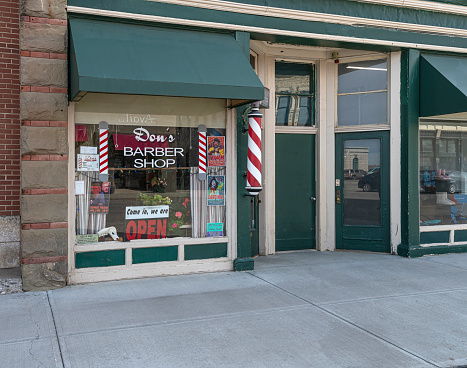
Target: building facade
<point>139,139</point>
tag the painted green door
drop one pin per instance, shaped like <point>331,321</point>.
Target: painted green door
<point>362,203</point>
<point>295,191</point>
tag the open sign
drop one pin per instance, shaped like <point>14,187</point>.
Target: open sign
<point>146,229</point>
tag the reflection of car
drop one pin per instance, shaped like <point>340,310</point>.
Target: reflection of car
<point>459,182</point>
<point>431,182</point>
<point>370,181</point>
<point>354,173</point>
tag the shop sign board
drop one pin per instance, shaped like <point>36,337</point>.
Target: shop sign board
<point>88,162</point>
<point>215,229</point>
<point>146,222</point>
<point>87,238</point>
<point>146,212</point>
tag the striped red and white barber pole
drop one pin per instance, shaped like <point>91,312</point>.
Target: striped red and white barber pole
<point>103,151</point>
<point>202,152</point>
<point>253,177</point>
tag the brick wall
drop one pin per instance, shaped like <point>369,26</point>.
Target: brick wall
<point>44,144</point>
<point>10,156</point>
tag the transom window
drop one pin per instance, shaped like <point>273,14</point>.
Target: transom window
<point>362,93</point>
<point>294,94</point>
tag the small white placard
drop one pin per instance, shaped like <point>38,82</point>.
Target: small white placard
<point>79,187</point>
<point>338,182</point>
<point>146,212</point>
<point>87,150</point>
<point>88,162</point>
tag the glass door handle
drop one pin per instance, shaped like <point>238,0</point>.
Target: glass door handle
<point>313,199</point>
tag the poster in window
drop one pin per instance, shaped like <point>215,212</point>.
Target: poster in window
<point>216,151</point>
<point>100,197</point>
<point>216,190</point>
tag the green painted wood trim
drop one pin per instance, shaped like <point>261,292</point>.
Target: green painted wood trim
<point>357,9</point>
<point>155,254</point>
<point>243,264</point>
<point>432,237</point>
<point>243,201</point>
<point>410,186</point>
<point>205,251</point>
<point>337,7</point>
<point>418,251</point>
<point>460,235</point>
<point>103,258</point>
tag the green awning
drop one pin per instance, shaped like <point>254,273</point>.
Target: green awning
<point>136,59</point>
<point>443,85</point>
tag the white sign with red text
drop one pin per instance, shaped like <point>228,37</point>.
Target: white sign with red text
<point>88,162</point>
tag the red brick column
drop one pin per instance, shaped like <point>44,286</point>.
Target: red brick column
<point>10,155</point>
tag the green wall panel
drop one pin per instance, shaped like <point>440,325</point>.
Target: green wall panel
<point>339,7</point>
<point>155,254</point>
<point>410,181</point>
<point>205,251</point>
<point>460,235</point>
<point>434,237</point>
<point>104,258</point>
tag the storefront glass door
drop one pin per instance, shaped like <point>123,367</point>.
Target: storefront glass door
<point>362,191</point>
<point>295,191</point>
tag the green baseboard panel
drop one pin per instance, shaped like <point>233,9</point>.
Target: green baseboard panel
<point>432,237</point>
<point>155,254</point>
<point>205,251</point>
<point>460,235</point>
<point>419,251</point>
<point>103,258</point>
<point>244,264</point>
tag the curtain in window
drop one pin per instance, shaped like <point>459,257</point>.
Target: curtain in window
<point>201,213</point>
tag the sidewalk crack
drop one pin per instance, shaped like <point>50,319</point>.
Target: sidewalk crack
<point>55,328</point>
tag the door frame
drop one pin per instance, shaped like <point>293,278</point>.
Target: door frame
<point>385,165</point>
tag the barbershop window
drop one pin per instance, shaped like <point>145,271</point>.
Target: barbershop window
<point>362,92</point>
<point>294,94</point>
<point>443,173</point>
<point>152,189</point>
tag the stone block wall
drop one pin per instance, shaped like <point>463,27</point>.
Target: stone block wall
<point>10,156</point>
<point>44,144</point>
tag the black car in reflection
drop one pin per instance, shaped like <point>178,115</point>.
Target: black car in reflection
<point>432,181</point>
<point>370,181</point>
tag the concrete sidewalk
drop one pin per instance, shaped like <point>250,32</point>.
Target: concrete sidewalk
<point>300,309</point>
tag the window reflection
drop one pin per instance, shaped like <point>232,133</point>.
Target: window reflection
<point>362,93</point>
<point>362,179</point>
<point>294,94</point>
<point>443,173</point>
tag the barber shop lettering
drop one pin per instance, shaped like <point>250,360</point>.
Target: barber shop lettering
<point>162,154</point>
<point>142,135</point>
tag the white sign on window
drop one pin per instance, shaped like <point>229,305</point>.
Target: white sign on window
<point>88,162</point>
<point>87,150</point>
<point>146,212</point>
